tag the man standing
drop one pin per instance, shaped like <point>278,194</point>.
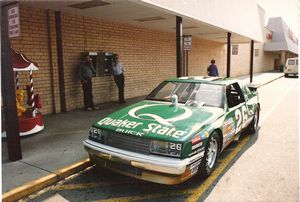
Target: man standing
<point>86,71</point>
<point>118,73</point>
<point>212,69</point>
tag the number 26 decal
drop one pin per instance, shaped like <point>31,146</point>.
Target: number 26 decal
<point>241,118</point>
<point>238,118</point>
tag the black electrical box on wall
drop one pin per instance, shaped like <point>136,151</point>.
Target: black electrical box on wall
<point>102,62</point>
<point>105,63</point>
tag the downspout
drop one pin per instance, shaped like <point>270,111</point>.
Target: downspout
<point>60,61</point>
<point>51,62</point>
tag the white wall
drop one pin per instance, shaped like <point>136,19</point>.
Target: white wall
<point>240,64</point>
<point>241,17</point>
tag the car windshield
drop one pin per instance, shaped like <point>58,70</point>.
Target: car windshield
<point>194,94</point>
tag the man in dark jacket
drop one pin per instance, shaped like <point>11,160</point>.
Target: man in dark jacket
<point>212,69</point>
<point>86,71</point>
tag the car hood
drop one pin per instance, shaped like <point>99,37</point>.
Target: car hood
<point>159,120</point>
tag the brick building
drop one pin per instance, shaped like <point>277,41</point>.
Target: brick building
<point>146,48</point>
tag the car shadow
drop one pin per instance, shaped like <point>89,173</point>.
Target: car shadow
<point>98,183</point>
<point>226,152</point>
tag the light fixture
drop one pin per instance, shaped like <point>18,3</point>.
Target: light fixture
<point>150,19</point>
<point>89,4</point>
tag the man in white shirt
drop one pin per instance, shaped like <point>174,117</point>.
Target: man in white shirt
<point>118,73</point>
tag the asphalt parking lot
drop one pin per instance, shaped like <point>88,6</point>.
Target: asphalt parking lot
<point>94,184</point>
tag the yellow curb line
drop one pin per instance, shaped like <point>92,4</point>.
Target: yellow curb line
<point>198,192</point>
<point>36,185</point>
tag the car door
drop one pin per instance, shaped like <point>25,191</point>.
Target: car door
<point>236,117</point>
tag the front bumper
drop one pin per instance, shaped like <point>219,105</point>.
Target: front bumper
<point>159,169</point>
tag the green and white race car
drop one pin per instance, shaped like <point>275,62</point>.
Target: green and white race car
<point>178,131</point>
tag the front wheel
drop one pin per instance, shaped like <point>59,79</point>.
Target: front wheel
<point>211,154</point>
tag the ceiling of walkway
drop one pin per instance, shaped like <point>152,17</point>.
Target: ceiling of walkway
<point>139,14</point>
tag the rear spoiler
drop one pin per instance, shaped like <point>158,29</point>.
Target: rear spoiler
<point>253,87</point>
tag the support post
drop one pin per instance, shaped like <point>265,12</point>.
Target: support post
<point>228,53</point>
<point>60,61</point>
<point>179,45</point>
<point>187,64</point>
<point>251,60</point>
<point>8,93</point>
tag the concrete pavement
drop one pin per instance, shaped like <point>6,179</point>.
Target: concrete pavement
<point>59,145</point>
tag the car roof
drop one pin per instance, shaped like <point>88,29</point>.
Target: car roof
<point>204,79</point>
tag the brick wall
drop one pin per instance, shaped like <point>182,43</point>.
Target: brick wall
<point>33,42</point>
<point>149,56</point>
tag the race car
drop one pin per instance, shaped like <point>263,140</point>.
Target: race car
<point>179,130</point>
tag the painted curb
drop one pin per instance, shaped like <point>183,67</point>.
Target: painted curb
<point>45,181</point>
<point>271,81</point>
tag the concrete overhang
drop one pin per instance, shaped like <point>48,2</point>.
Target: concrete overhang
<point>141,14</point>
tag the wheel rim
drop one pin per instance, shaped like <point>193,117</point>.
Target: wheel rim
<point>212,152</point>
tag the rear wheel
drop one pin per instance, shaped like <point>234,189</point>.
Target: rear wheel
<point>254,123</point>
<point>211,154</point>
<point>285,75</point>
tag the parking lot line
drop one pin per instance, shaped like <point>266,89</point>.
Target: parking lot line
<point>149,197</point>
<point>88,185</point>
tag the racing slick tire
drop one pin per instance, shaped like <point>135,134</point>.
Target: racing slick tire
<point>254,123</point>
<point>211,154</point>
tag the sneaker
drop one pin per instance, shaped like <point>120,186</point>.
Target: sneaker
<point>89,109</point>
<point>96,108</point>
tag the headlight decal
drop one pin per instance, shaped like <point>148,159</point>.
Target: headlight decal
<point>96,134</point>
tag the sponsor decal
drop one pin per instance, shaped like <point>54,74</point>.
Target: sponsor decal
<point>163,127</point>
<point>132,132</point>
<point>229,129</point>
<point>195,159</point>
<point>196,139</point>
<point>205,135</point>
<point>187,113</point>
<point>163,130</point>
<point>197,145</point>
<point>194,167</point>
<point>196,151</point>
<point>119,123</point>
